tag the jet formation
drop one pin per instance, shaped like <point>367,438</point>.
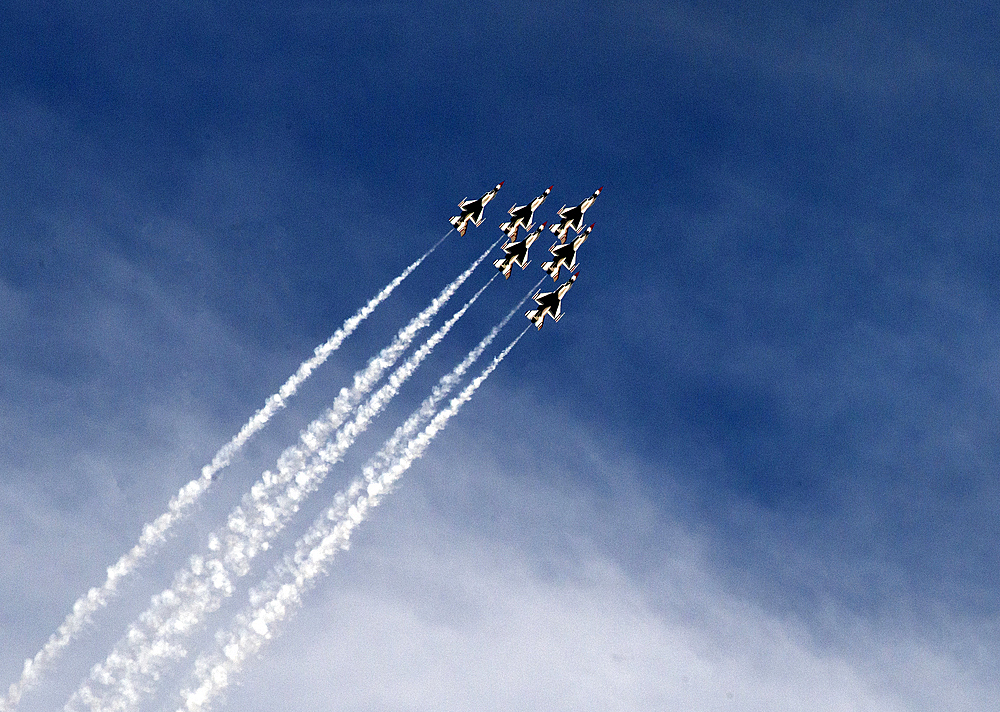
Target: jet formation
<point>516,251</point>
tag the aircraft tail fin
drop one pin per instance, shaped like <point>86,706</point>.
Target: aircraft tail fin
<point>511,232</point>
<point>560,231</point>
<point>459,224</point>
<point>499,264</point>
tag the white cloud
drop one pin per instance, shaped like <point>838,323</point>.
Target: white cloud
<point>428,611</point>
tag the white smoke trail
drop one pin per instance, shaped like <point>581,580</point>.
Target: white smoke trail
<point>277,401</point>
<point>392,449</point>
<point>154,533</point>
<point>281,594</point>
<point>394,445</point>
<point>155,639</point>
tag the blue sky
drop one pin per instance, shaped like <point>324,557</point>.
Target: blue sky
<point>751,467</point>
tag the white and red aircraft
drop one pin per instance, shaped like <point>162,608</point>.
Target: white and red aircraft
<point>573,217</point>
<point>565,255</point>
<point>472,210</point>
<point>549,303</point>
<point>522,215</point>
<point>517,252</point>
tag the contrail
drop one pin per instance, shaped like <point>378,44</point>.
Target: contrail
<point>277,401</point>
<point>393,448</point>
<point>279,597</point>
<point>154,533</point>
<point>133,668</point>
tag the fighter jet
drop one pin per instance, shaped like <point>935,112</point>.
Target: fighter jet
<point>565,255</point>
<point>517,252</point>
<point>472,210</point>
<point>573,217</point>
<point>521,215</point>
<point>549,303</point>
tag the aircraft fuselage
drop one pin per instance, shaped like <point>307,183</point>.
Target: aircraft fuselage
<point>572,218</point>
<point>472,210</point>
<point>522,215</point>
<point>549,303</point>
<point>516,253</point>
